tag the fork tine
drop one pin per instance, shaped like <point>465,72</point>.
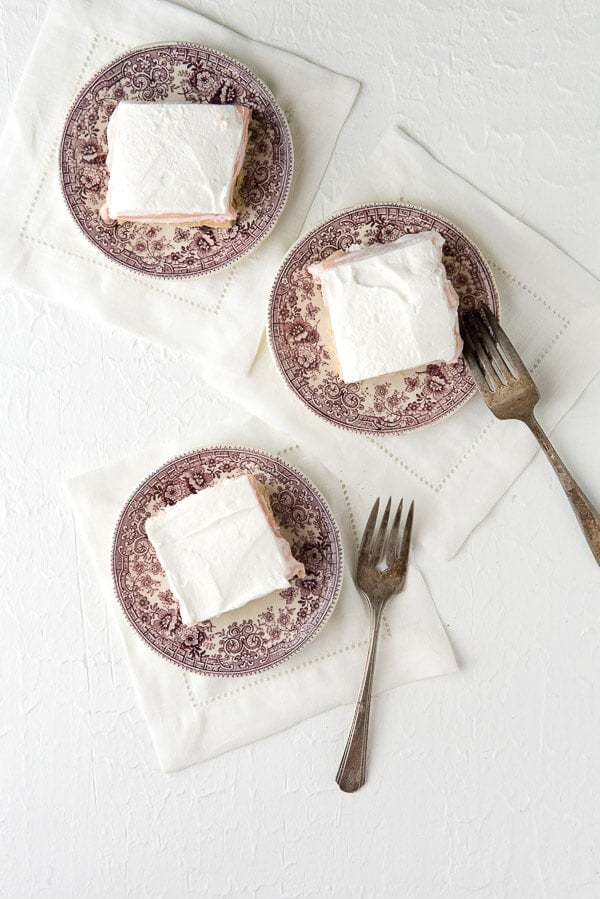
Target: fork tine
<point>376,552</point>
<point>474,367</point>
<point>391,550</point>
<point>485,363</point>
<point>403,557</point>
<point>365,544</point>
<point>480,324</point>
<point>510,353</point>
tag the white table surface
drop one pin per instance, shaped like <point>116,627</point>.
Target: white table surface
<point>483,784</point>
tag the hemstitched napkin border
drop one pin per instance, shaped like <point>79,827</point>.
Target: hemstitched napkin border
<point>217,317</point>
<point>193,717</point>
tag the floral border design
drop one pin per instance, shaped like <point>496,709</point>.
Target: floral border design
<point>262,634</point>
<point>302,344</point>
<point>184,73</point>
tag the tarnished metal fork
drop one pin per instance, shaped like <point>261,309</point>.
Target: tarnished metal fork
<point>509,391</point>
<point>381,572</point>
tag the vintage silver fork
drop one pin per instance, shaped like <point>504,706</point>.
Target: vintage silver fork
<point>381,572</point>
<point>509,391</point>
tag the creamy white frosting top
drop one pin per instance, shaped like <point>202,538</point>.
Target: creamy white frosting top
<point>167,158</point>
<point>219,550</point>
<point>391,306</point>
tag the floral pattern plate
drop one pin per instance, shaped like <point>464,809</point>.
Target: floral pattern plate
<point>302,343</point>
<point>263,632</point>
<point>183,73</point>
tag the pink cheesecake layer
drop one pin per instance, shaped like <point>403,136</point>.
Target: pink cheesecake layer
<point>294,567</point>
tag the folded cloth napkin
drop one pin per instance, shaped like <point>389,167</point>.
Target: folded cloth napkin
<point>193,717</point>
<point>218,317</point>
<point>460,467</point>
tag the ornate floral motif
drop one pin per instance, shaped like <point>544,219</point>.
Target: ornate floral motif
<point>301,340</point>
<point>265,632</point>
<point>176,72</point>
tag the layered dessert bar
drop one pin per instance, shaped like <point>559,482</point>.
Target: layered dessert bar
<point>391,306</point>
<point>221,548</point>
<point>175,162</point>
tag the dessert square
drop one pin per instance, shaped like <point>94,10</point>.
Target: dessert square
<point>221,548</point>
<point>391,306</point>
<point>175,162</point>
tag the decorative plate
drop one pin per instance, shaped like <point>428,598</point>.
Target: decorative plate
<point>302,343</point>
<point>261,633</point>
<point>184,73</point>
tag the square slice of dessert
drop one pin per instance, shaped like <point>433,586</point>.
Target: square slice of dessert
<point>221,548</point>
<point>175,162</point>
<point>391,306</point>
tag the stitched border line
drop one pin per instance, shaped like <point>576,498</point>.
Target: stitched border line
<point>275,675</point>
<point>529,290</point>
<point>350,513</point>
<point>540,299</point>
<point>408,468</point>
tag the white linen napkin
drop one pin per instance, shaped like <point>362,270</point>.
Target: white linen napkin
<point>459,468</point>
<point>193,717</point>
<point>218,317</point>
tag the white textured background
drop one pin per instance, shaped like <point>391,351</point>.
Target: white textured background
<point>484,784</point>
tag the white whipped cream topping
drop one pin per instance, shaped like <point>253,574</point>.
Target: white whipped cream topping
<point>218,549</point>
<point>391,306</point>
<point>171,158</point>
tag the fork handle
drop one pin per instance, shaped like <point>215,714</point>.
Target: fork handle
<point>586,514</point>
<point>352,772</point>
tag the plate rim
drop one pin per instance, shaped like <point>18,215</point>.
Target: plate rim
<point>288,142</point>
<point>271,340</point>
<point>340,574</point>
